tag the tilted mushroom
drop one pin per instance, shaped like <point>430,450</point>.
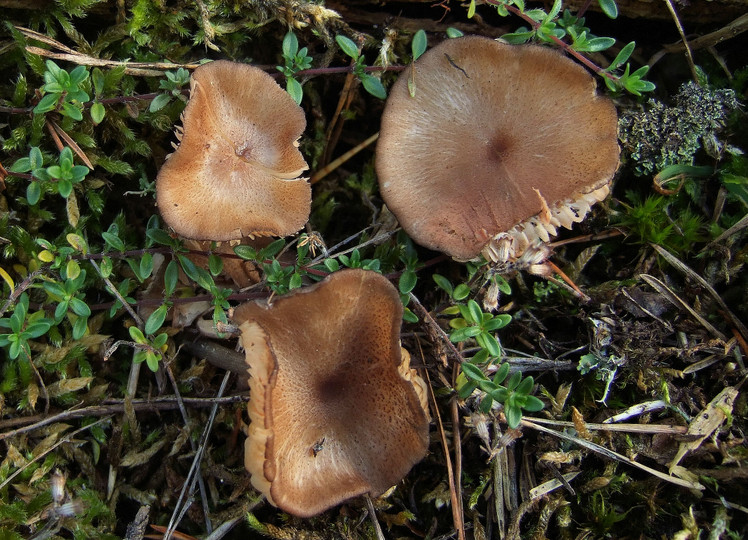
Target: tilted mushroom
<point>235,172</point>
<point>335,409</point>
<point>498,146</point>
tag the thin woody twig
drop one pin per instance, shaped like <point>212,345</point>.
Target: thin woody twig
<point>457,443</point>
<point>193,474</point>
<point>116,293</point>
<point>456,515</point>
<point>193,445</point>
<point>165,403</point>
<point>689,54</point>
<point>426,316</point>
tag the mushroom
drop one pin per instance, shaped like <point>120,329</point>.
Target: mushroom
<point>498,146</point>
<point>235,171</point>
<point>335,409</point>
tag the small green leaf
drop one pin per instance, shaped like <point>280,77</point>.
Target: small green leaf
<point>72,111</point>
<point>454,33</point>
<point>113,241</point>
<point>72,269</point>
<point>533,404</point>
<point>347,46</point>
<point>272,249</point>
<point>159,102</point>
<point>80,327</point>
<point>443,283</point>
<point>47,103</point>
<point>156,319</point>
<point>290,45</point>
<point>609,7</point>
<point>33,192</point>
<point>373,86</point>
<point>215,264</point>
<point>248,253</point>
<point>294,89</point>
<point>98,79</point>
<point>419,45</point>
<point>78,242</point>
<point>471,9</point>
<point>160,237</point>
<point>407,281</point>
<point>497,322</point>
<point>622,56</point>
<point>501,373</point>
<point>137,335</point>
<point>462,291</point>
<point>473,372</point>
<point>463,334</point>
<point>475,312</point>
<point>21,165</point>
<point>514,380</point>
<point>105,266</point>
<point>513,416</point>
<point>517,38</point>
<point>79,307</point>
<point>500,394</point>
<point>170,278</point>
<point>599,44</point>
<point>97,113</point>
<point>146,266</point>
<point>525,386</point>
<point>409,316</point>
<point>160,340</point>
<point>491,345</point>
<point>152,361</point>
<point>295,281</point>
<point>332,265</point>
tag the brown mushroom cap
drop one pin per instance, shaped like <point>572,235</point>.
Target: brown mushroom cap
<point>335,410</point>
<point>499,145</point>
<point>235,171</point>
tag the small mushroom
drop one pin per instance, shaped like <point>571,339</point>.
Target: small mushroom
<point>335,409</point>
<point>497,147</point>
<point>235,172</point>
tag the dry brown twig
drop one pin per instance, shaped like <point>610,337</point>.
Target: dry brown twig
<point>456,514</point>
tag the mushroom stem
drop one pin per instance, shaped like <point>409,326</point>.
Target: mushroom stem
<point>221,357</point>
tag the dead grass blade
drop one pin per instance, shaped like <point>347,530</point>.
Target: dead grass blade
<point>664,290</point>
<point>612,455</point>
<point>706,422</point>
<point>626,428</point>
<point>684,269</point>
<point>552,485</point>
<point>150,69</point>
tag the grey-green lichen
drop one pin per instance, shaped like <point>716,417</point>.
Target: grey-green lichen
<point>661,135</point>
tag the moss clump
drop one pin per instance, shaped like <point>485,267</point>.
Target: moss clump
<point>660,135</point>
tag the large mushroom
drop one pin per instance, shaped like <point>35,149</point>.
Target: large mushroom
<point>335,409</point>
<point>492,147</point>
<point>236,170</point>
